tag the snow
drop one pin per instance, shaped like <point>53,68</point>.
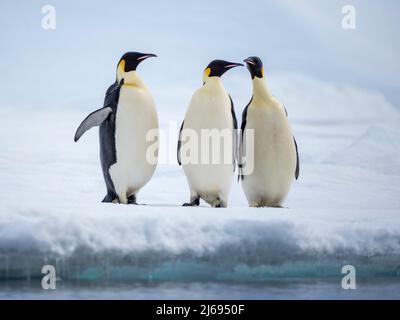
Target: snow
<point>344,209</point>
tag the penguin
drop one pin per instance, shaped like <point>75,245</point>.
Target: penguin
<point>273,160</point>
<point>127,116</point>
<point>210,108</point>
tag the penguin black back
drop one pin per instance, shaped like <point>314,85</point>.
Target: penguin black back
<point>108,154</point>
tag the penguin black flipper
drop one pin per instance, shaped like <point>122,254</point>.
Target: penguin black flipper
<point>178,149</point>
<point>296,174</point>
<point>110,94</point>
<point>108,154</point>
<point>96,118</point>
<point>242,127</point>
<point>298,161</point>
<point>285,111</point>
<point>235,140</point>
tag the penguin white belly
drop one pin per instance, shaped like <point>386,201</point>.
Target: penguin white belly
<point>273,156</point>
<point>136,116</point>
<point>211,180</point>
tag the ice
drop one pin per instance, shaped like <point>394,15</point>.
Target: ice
<point>344,209</point>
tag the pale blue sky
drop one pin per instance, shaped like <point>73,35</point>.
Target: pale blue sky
<point>73,65</point>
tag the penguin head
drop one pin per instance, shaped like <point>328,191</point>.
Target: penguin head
<point>128,63</point>
<point>255,66</point>
<point>217,68</point>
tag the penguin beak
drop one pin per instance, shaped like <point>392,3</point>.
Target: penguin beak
<point>231,65</point>
<point>249,61</point>
<point>145,56</point>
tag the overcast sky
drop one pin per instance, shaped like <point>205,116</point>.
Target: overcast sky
<point>73,65</point>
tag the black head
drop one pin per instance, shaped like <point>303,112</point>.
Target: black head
<point>130,60</point>
<point>217,68</point>
<point>255,66</point>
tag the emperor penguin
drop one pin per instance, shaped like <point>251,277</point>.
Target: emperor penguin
<point>268,167</point>
<point>209,117</point>
<point>128,121</point>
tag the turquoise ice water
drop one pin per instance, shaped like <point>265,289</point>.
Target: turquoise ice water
<point>388,288</point>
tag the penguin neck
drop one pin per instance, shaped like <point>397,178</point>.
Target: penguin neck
<point>132,79</point>
<point>261,92</point>
<point>213,83</point>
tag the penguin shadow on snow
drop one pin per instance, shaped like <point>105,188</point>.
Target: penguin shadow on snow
<point>158,205</point>
<point>171,205</point>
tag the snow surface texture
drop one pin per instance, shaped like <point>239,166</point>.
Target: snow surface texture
<point>344,209</point>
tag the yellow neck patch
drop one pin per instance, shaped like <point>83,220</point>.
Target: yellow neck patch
<point>121,69</point>
<point>206,74</point>
<point>262,72</point>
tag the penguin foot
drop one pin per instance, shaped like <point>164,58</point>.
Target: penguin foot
<point>220,204</point>
<point>189,204</point>
<point>256,204</point>
<point>193,203</point>
<point>264,205</point>
<point>132,199</point>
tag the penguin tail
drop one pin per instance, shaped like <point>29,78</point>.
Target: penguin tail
<point>108,198</point>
